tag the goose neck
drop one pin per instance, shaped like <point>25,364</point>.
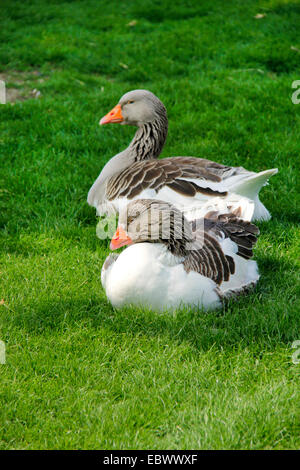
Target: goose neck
<point>149,139</point>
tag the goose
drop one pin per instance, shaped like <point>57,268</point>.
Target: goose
<point>186,182</point>
<point>171,262</point>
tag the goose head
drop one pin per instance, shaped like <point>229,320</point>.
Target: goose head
<point>152,221</point>
<point>136,108</point>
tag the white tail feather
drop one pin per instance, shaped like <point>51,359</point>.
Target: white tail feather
<point>260,211</point>
<point>250,187</point>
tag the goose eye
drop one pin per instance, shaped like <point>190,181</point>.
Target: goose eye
<point>130,101</point>
<point>130,219</point>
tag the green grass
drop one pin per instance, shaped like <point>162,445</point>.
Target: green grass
<point>80,374</point>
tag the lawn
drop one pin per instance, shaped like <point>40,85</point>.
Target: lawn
<point>78,373</point>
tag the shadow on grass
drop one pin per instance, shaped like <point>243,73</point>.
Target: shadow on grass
<point>258,319</point>
<point>281,218</point>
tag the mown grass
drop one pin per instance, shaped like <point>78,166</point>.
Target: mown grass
<point>80,374</point>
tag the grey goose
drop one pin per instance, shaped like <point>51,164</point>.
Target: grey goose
<point>171,262</point>
<point>136,172</point>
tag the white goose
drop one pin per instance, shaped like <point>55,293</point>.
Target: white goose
<point>185,182</point>
<point>172,262</point>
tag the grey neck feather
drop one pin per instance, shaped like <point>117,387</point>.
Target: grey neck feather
<point>149,139</point>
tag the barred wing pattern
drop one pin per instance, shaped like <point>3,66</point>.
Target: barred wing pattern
<point>209,260</point>
<point>170,172</point>
<point>241,232</point>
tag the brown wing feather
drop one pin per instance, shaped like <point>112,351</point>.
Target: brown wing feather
<point>241,232</point>
<point>214,171</point>
<point>182,187</point>
<point>209,259</point>
<point>156,174</point>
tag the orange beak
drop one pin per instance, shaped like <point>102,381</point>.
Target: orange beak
<point>120,238</point>
<point>115,115</point>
